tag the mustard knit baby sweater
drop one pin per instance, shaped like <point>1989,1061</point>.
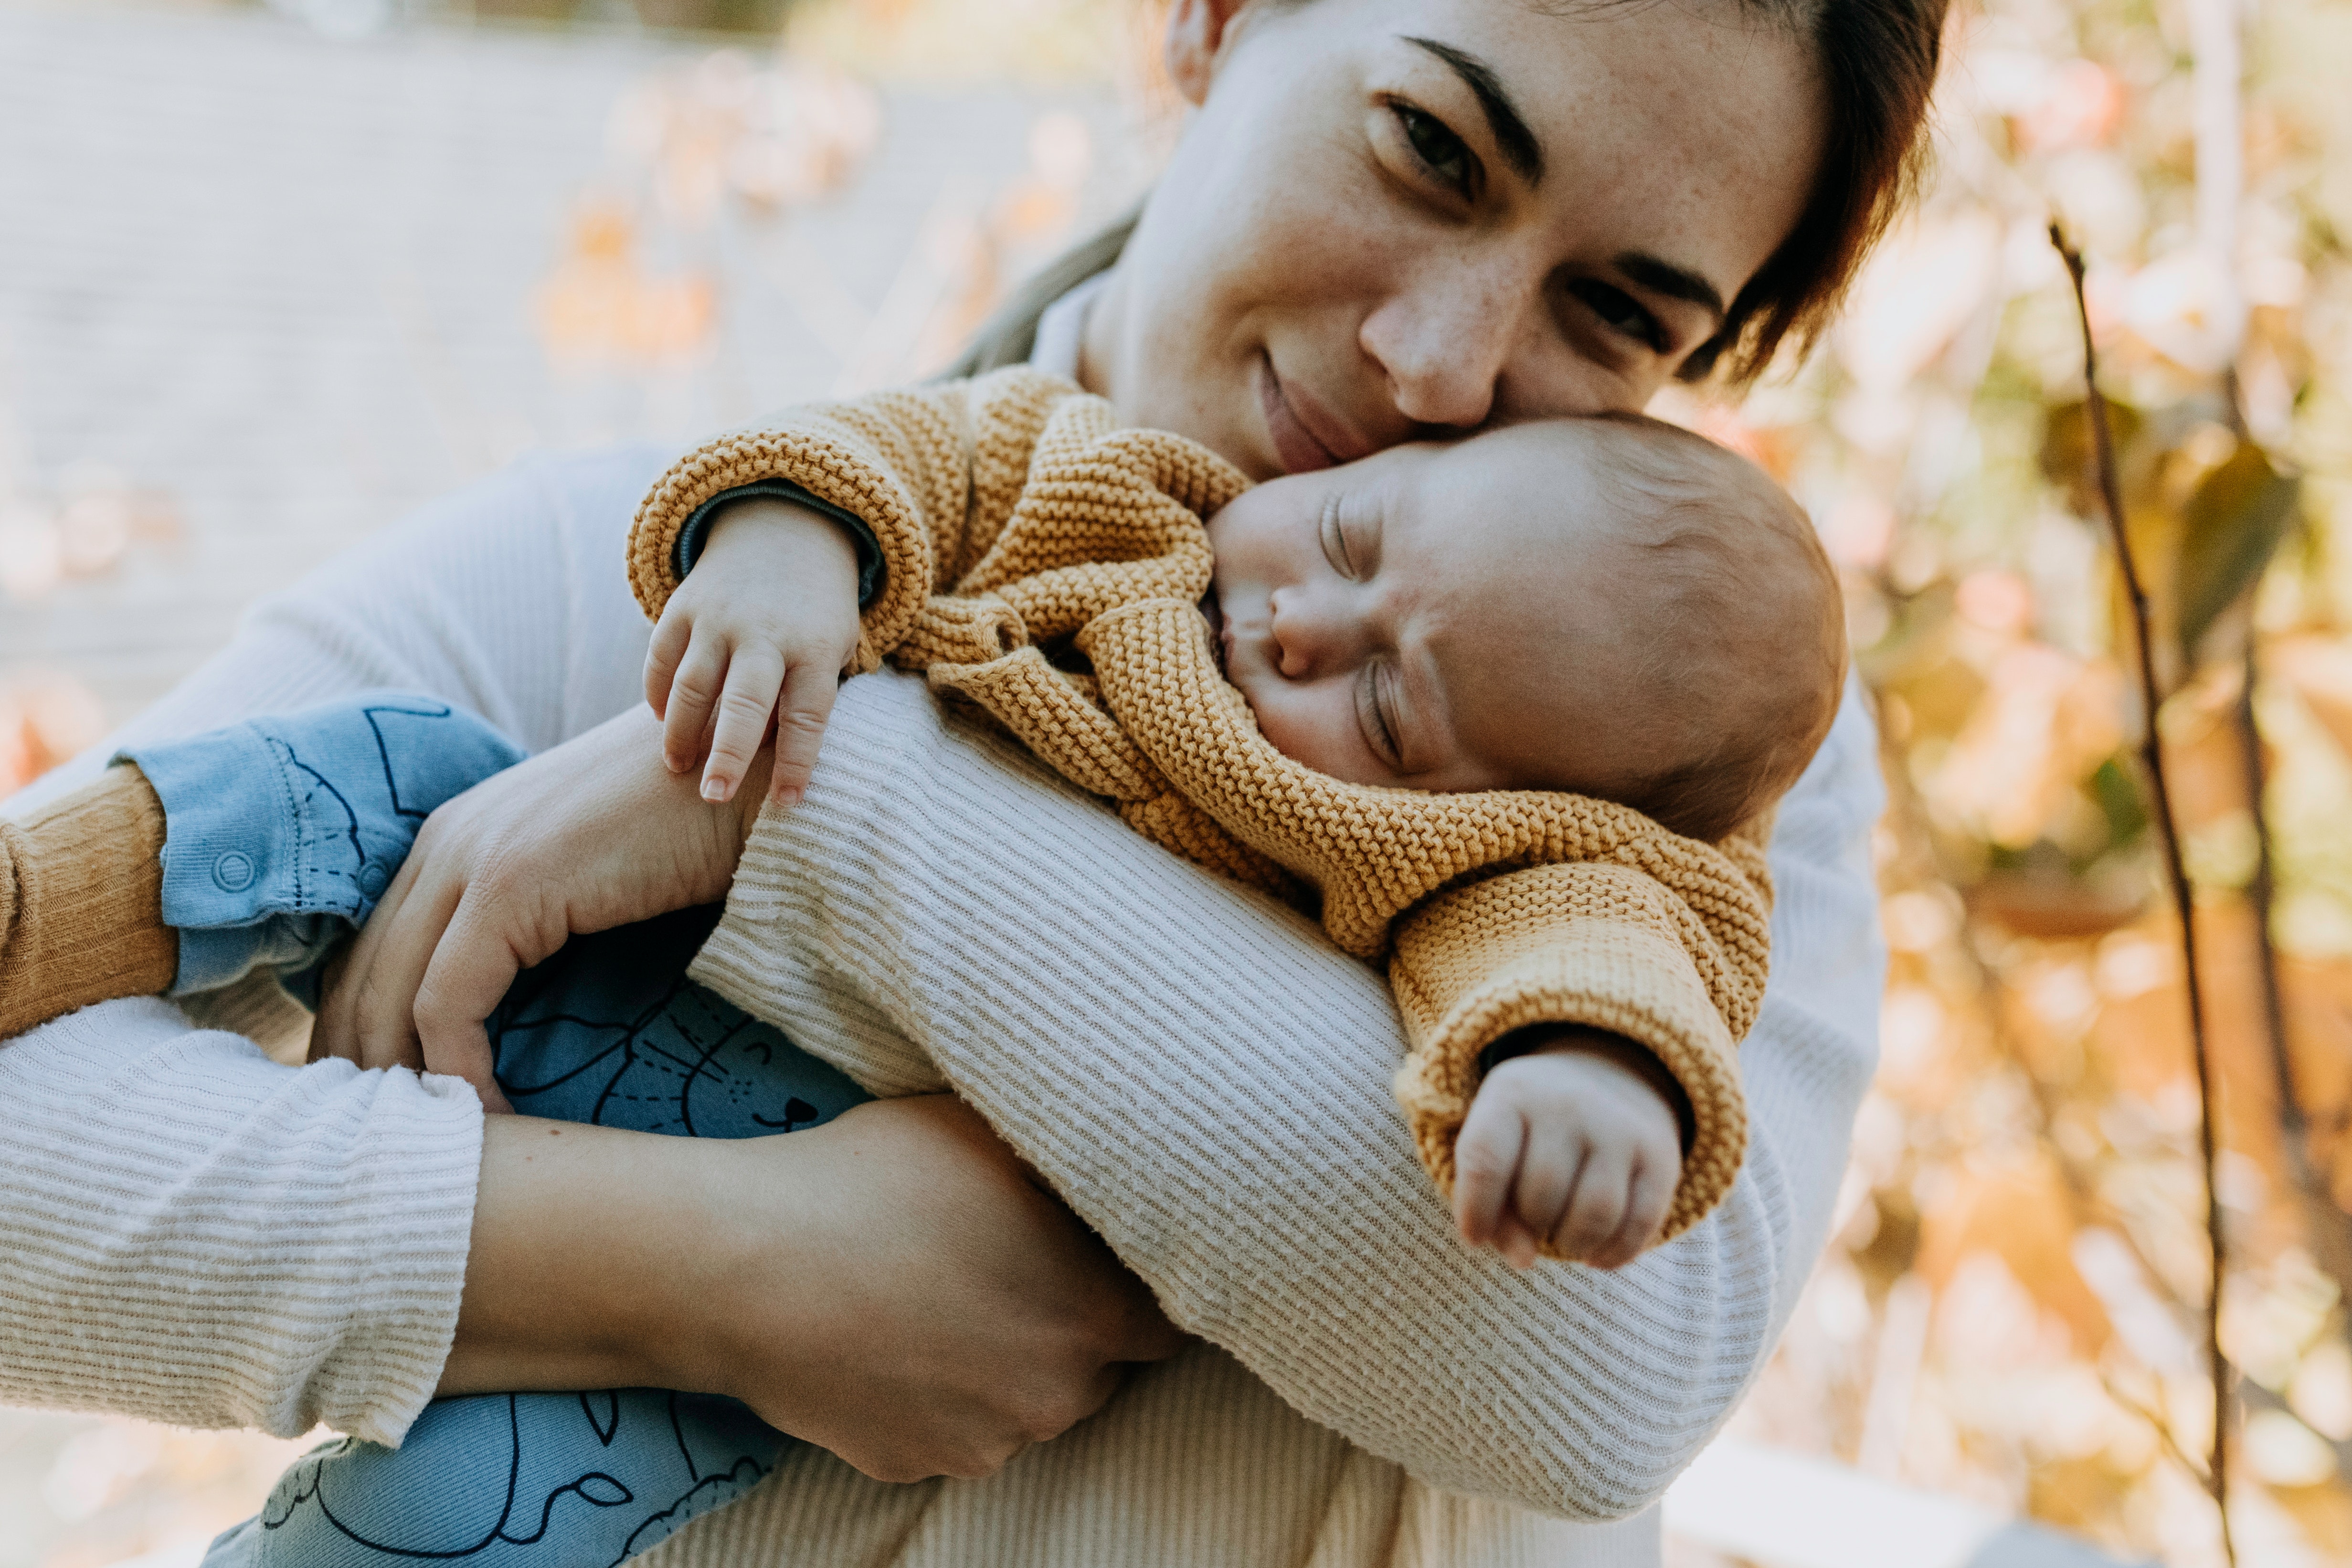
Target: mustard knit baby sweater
<point>1017,521</point>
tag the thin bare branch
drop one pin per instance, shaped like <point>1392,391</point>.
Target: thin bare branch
<point>2328,1227</point>
<point>2183,897</point>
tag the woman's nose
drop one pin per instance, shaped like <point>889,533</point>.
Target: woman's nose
<point>1446,341</point>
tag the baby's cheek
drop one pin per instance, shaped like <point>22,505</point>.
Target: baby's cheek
<point>1303,723</point>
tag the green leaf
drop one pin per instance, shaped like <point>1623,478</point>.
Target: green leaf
<point>2116,788</point>
<point>2231,529</point>
<point>2067,458</point>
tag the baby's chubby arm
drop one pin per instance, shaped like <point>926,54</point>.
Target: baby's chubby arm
<point>1575,1142</point>
<point>761,630</point>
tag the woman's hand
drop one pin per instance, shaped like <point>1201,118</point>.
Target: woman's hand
<point>894,1286</point>
<point>594,834</point>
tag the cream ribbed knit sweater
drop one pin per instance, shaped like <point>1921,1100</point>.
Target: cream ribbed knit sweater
<point>1014,512</point>
<point>190,1231</point>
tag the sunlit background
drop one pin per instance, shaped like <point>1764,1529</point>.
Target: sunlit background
<point>274,276</point>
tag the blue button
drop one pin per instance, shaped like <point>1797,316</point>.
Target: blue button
<point>234,872</point>
<point>373,878</point>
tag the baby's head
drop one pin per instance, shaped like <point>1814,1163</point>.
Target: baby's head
<point>1613,607</point>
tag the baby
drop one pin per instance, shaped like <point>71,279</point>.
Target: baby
<point>1613,608</point>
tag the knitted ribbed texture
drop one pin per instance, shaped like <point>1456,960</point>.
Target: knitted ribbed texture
<point>81,886</point>
<point>1222,1119</point>
<point>1140,1487</point>
<point>196,1235</point>
<point>1498,909</point>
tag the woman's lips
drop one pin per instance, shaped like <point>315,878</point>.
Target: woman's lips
<point>1306,436</point>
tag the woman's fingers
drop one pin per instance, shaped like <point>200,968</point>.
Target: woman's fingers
<point>338,1031</point>
<point>467,976</point>
<point>473,964</point>
<point>800,717</point>
<point>739,726</point>
<point>383,1023</point>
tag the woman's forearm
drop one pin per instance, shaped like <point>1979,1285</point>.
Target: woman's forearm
<point>891,1286</point>
<point>578,1234</point>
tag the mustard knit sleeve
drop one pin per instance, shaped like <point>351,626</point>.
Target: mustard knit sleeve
<point>932,470</point>
<point>82,888</point>
<point>1676,963</point>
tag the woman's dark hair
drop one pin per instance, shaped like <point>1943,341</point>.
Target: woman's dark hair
<point>1877,61</point>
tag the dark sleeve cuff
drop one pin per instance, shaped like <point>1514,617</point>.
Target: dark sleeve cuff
<point>870,567</point>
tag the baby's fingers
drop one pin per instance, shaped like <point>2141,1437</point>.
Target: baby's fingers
<point>1485,1156</point>
<point>672,634</point>
<point>1653,1194</point>
<point>1596,1209</point>
<point>754,678</point>
<point>693,698</point>
<point>809,691</point>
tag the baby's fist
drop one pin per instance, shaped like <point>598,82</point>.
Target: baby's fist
<point>1572,1146</point>
<point>754,640</point>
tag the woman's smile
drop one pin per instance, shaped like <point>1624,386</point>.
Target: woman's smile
<point>1306,436</point>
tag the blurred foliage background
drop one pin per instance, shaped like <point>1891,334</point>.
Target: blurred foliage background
<point>2010,1310</point>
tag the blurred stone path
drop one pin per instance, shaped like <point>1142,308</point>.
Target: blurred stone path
<point>290,282</point>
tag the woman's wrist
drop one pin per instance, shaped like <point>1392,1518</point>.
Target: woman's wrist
<point>593,1249</point>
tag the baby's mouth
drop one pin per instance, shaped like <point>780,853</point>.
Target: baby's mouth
<point>1218,644</point>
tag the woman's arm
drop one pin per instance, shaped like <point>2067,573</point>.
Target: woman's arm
<point>192,1232</point>
<point>1208,1084</point>
<point>898,1262</point>
<point>197,1235</point>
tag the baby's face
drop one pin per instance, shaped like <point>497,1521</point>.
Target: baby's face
<point>1436,617</point>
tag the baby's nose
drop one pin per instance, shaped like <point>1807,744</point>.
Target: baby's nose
<point>1308,635</point>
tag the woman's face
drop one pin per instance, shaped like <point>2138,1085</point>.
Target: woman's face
<point>1402,219</point>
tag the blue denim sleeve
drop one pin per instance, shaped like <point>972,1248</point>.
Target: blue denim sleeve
<point>691,538</point>
<point>281,833</point>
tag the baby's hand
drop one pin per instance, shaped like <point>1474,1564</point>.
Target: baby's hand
<point>1572,1145</point>
<point>758,632</point>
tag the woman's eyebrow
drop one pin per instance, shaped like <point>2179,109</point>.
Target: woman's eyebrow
<point>1520,149</point>
<point>1675,282</point>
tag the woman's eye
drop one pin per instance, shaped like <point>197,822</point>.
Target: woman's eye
<point>1444,154</point>
<point>1334,540</point>
<point>1620,313</point>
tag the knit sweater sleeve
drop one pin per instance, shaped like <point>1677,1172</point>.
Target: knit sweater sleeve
<point>195,1234</point>
<point>932,470</point>
<point>1206,1080</point>
<point>80,891</point>
<point>1675,962</point>
<point>192,1232</point>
